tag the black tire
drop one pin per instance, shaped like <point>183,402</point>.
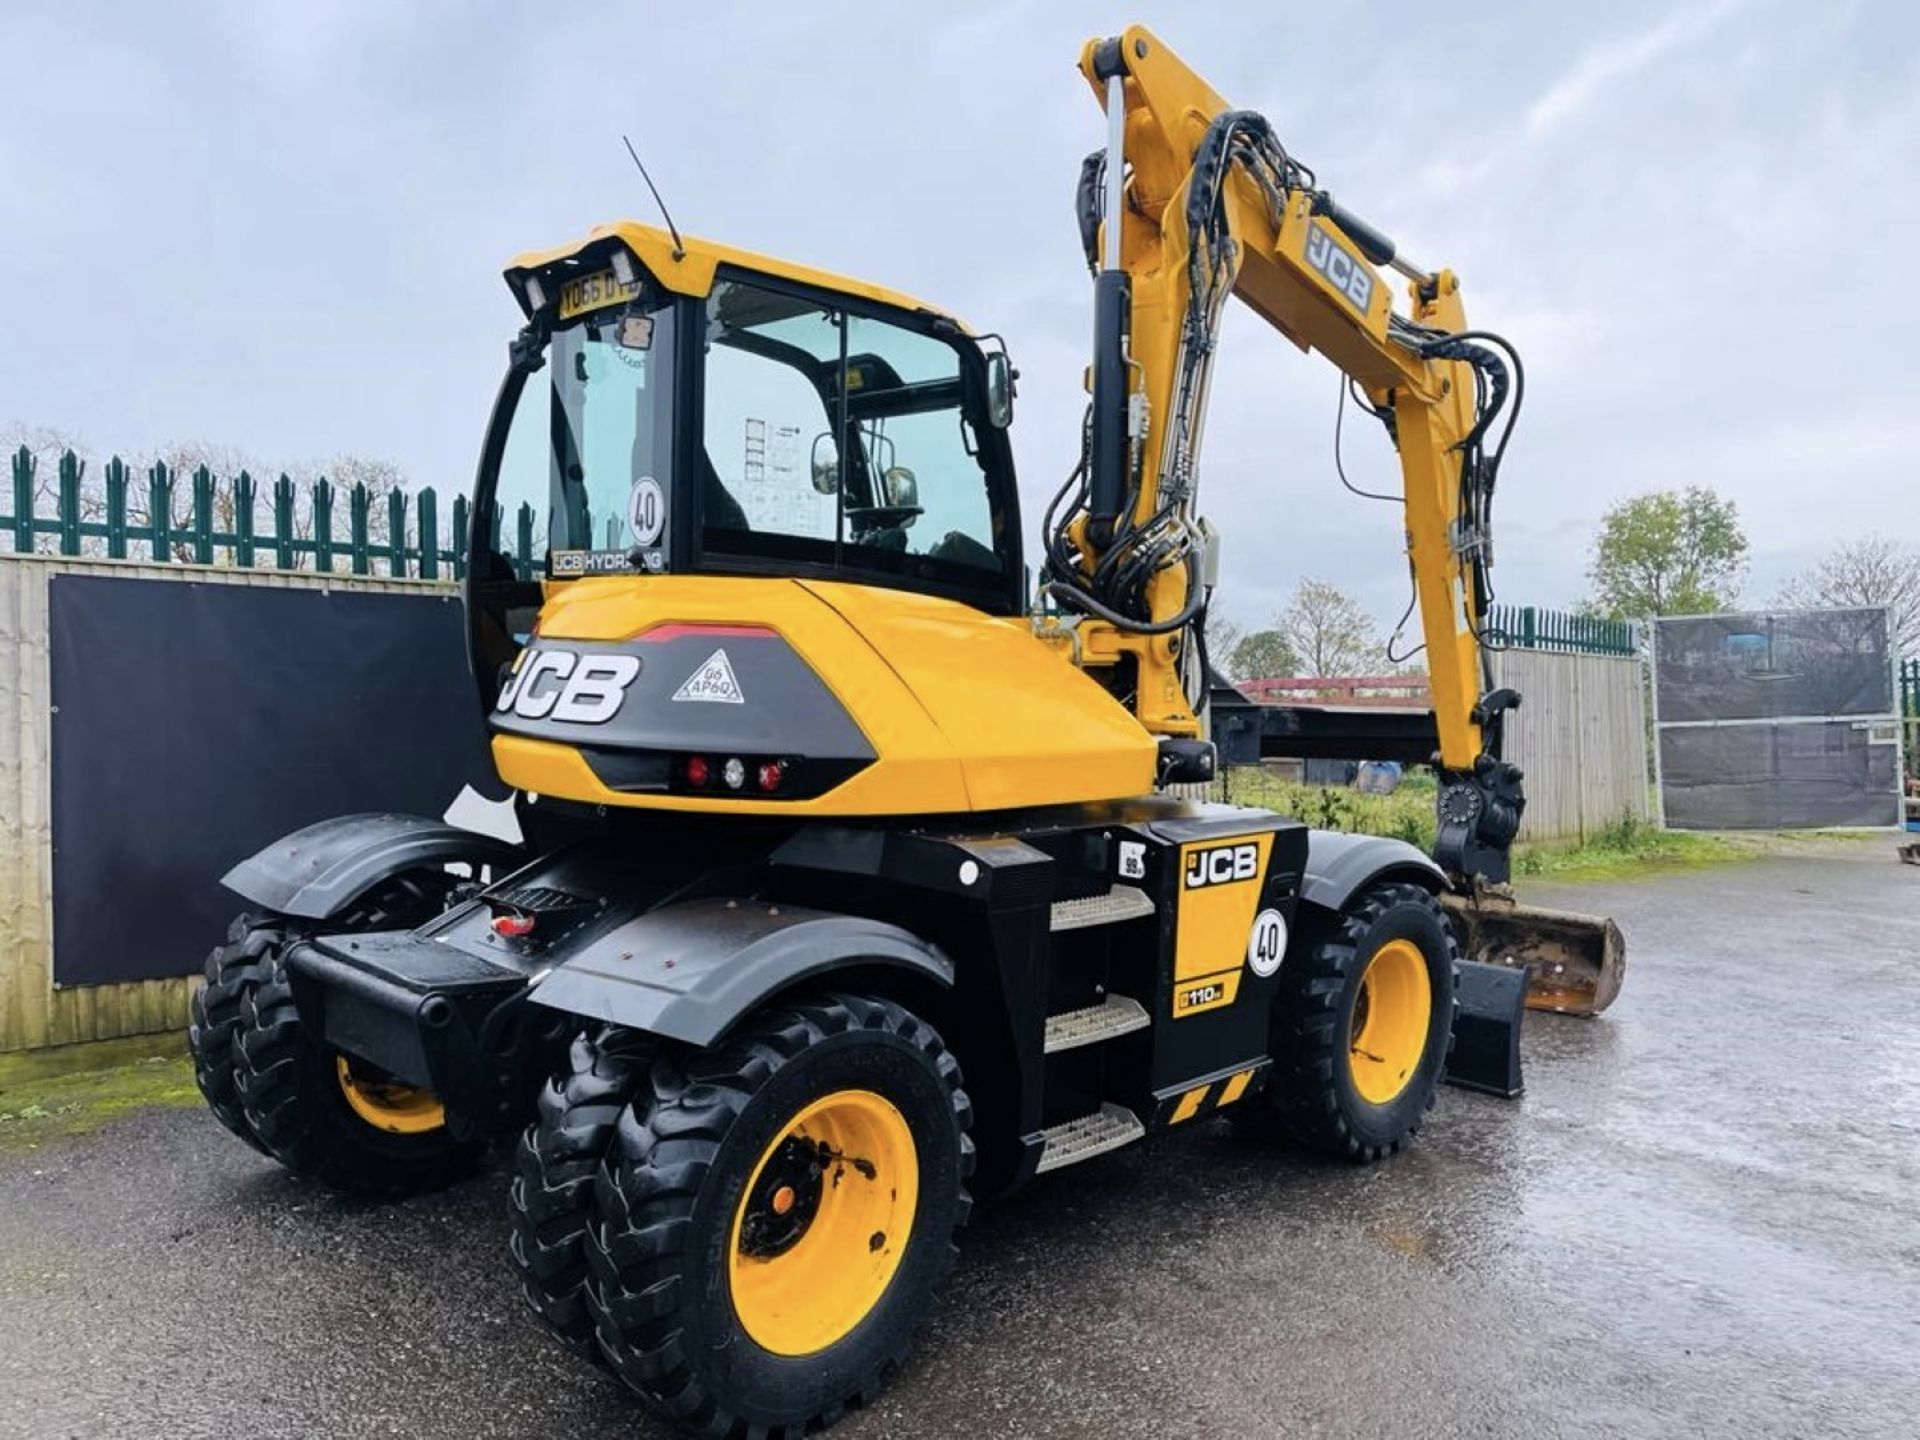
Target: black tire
<point>290,1089</point>
<point>246,960</point>
<point>1314,1093</point>
<point>555,1167</point>
<point>682,1157</point>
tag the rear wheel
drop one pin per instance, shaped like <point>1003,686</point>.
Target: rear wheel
<point>333,1118</point>
<point>772,1215</point>
<point>246,960</point>
<point>1363,1022</point>
<point>555,1167</point>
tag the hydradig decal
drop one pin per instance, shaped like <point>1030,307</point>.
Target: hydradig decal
<point>563,685</point>
<point>1350,275</point>
<point>713,682</point>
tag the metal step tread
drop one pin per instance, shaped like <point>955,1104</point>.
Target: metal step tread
<point>1116,1015</point>
<point>1122,902</point>
<point>1086,1136</point>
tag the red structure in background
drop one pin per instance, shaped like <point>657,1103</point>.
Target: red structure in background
<point>1386,692</point>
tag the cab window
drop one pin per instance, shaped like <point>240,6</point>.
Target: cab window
<point>841,440</point>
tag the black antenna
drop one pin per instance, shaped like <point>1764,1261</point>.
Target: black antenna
<point>679,250</point>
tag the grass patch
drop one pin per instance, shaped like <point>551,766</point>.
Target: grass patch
<point>36,1110</point>
<point>1627,848</point>
<point>1624,849</point>
<point>1407,814</point>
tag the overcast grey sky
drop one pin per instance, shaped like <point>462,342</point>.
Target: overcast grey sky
<point>280,226</point>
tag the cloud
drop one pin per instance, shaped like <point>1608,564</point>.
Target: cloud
<point>1614,60</point>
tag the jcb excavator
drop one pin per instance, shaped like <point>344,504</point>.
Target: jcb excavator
<point>850,879</point>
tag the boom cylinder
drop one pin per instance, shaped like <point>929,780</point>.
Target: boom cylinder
<point>1112,311</point>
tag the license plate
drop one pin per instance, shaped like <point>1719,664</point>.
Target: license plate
<point>593,292</point>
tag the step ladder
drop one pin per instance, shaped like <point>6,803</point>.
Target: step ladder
<point>1086,1136</point>
<point>1114,1016</point>
<point>1122,902</point>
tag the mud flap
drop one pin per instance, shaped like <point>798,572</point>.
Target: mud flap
<point>1574,963</point>
<point>1490,1001</point>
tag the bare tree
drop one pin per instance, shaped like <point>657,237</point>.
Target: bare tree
<point>1865,573</point>
<point>1330,631</point>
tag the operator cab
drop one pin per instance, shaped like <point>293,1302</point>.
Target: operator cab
<point>772,424</point>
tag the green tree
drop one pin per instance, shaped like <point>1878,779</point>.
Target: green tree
<point>1673,552</point>
<point>1262,655</point>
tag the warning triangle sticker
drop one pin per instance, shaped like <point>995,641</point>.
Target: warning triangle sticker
<point>712,682</point>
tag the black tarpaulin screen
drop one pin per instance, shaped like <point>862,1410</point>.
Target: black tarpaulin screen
<point>193,723</point>
<point>1777,720</point>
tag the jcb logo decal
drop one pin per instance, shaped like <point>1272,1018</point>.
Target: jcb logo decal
<point>1223,865</point>
<point>565,685</point>
<point>1350,276</point>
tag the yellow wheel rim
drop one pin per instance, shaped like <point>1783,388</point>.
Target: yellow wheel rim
<point>387,1104</point>
<point>1390,1016</point>
<point>823,1223</point>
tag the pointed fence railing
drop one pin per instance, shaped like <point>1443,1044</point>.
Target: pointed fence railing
<point>168,516</point>
<point>1529,627</point>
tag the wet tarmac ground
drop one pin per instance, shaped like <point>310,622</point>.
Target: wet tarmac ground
<point>1702,1218</point>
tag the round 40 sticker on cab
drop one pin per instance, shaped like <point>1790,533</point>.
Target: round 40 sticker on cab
<point>646,510</point>
<point>1267,943</point>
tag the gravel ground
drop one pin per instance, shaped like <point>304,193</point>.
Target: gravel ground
<point>1700,1219</point>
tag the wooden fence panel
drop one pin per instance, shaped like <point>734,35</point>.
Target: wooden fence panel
<point>33,1014</point>
<point>1581,736</point>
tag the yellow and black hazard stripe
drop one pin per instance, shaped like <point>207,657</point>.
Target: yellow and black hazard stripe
<point>1185,1102</point>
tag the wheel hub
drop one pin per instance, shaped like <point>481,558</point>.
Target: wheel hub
<point>786,1197</point>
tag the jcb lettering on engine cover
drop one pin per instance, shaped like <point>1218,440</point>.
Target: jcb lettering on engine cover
<point>567,686</point>
<point>1223,865</point>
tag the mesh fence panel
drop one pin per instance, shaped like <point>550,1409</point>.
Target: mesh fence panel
<point>1777,720</point>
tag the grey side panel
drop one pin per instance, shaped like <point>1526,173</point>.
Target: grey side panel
<point>689,971</point>
<point>320,870</point>
<point>1339,866</point>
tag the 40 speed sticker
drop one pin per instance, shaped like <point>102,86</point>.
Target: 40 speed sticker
<point>1267,943</point>
<point>646,510</point>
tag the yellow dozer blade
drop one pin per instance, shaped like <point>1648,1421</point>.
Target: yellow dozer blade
<point>1574,962</point>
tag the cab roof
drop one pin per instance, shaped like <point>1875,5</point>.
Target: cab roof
<point>692,273</point>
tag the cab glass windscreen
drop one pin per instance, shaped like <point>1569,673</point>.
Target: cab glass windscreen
<point>584,475</point>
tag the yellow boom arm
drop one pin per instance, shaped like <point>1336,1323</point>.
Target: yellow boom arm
<point>1209,204</point>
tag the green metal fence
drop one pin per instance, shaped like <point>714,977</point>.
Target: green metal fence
<point>1528,627</point>
<point>200,519</point>
<point>1910,711</point>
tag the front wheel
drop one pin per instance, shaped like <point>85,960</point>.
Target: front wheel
<point>1362,1024</point>
<point>772,1215</point>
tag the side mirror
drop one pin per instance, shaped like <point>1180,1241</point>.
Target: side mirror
<point>825,464</point>
<point>1000,389</point>
<point>903,490</point>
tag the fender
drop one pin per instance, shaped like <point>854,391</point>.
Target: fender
<point>318,871</point>
<point>689,971</point>
<point>1340,866</point>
